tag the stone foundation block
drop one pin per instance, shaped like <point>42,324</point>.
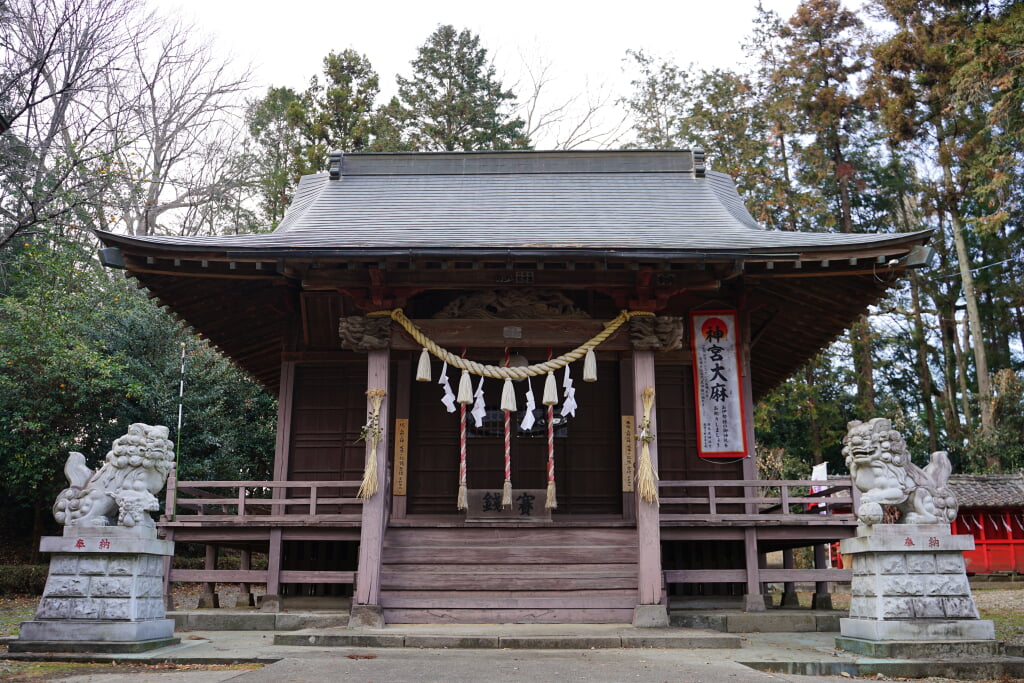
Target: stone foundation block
<point>650,616</point>
<point>366,616</point>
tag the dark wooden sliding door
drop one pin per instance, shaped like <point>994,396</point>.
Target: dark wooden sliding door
<point>587,446</point>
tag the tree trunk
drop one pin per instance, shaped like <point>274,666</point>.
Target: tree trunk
<point>967,280</point>
<point>961,364</point>
<point>790,209</point>
<point>863,367</point>
<point>947,333</point>
<point>922,358</point>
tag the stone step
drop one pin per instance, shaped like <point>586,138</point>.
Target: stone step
<point>772,621</point>
<point>254,620</point>
<point>565,637</point>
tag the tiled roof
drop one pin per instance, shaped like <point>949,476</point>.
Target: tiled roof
<point>988,490</point>
<point>659,201</point>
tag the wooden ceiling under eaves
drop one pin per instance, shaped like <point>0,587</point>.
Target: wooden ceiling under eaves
<point>247,319</point>
<point>253,317</point>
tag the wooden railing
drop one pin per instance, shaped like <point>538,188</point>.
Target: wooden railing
<point>233,503</point>
<point>760,501</point>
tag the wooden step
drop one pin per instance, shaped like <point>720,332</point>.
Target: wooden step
<point>513,555</point>
<point>581,569</point>
<point>507,616</point>
<point>509,575</point>
<point>506,581</point>
<point>508,536</point>
<point>475,593</point>
<point>389,601</point>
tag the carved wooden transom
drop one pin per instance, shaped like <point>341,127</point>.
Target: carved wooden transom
<point>512,304</point>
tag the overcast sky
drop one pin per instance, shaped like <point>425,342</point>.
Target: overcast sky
<point>585,42</point>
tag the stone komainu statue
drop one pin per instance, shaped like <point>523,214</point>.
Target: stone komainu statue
<point>880,467</point>
<point>124,488</point>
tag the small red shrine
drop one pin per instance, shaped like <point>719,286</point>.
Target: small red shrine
<point>991,510</point>
<point>515,386</point>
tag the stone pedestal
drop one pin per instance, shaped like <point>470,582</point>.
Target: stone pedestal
<point>910,595</point>
<point>104,593</point>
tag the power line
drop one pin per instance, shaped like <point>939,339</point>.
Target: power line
<point>975,270</point>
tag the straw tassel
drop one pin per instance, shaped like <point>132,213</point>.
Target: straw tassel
<point>550,390</point>
<point>590,366</point>
<point>423,369</point>
<point>646,477</point>
<point>372,434</point>
<point>465,389</point>
<point>368,487</point>
<point>508,397</point>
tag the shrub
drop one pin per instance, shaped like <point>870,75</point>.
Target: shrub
<point>23,579</point>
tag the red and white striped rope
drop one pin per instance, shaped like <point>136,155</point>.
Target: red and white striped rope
<point>508,428</point>
<point>508,446</point>
<point>462,444</point>
<point>551,443</point>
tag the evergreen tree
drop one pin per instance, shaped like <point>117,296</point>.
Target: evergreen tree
<point>294,132</point>
<point>454,100</point>
<point>919,85</point>
<point>278,151</point>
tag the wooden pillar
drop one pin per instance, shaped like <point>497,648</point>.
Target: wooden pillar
<point>244,589</point>
<point>285,400</point>
<point>366,605</point>
<point>272,600</point>
<point>822,598</point>
<point>754,600</point>
<point>648,518</point>
<point>209,598</point>
<point>789,596</point>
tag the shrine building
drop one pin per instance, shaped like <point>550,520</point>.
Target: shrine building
<point>516,386</point>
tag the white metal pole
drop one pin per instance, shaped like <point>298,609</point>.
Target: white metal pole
<point>177,436</point>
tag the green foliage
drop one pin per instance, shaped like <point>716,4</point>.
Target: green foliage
<point>805,418</point>
<point>23,579</point>
<point>454,100</point>
<point>1005,445</point>
<point>83,354</point>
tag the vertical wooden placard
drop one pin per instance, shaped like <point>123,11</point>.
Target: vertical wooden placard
<point>718,391</point>
<point>628,453</point>
<point>401,455</point>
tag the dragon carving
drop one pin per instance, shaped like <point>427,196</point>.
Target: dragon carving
<point>122,491</point>
<point>881,469</point>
